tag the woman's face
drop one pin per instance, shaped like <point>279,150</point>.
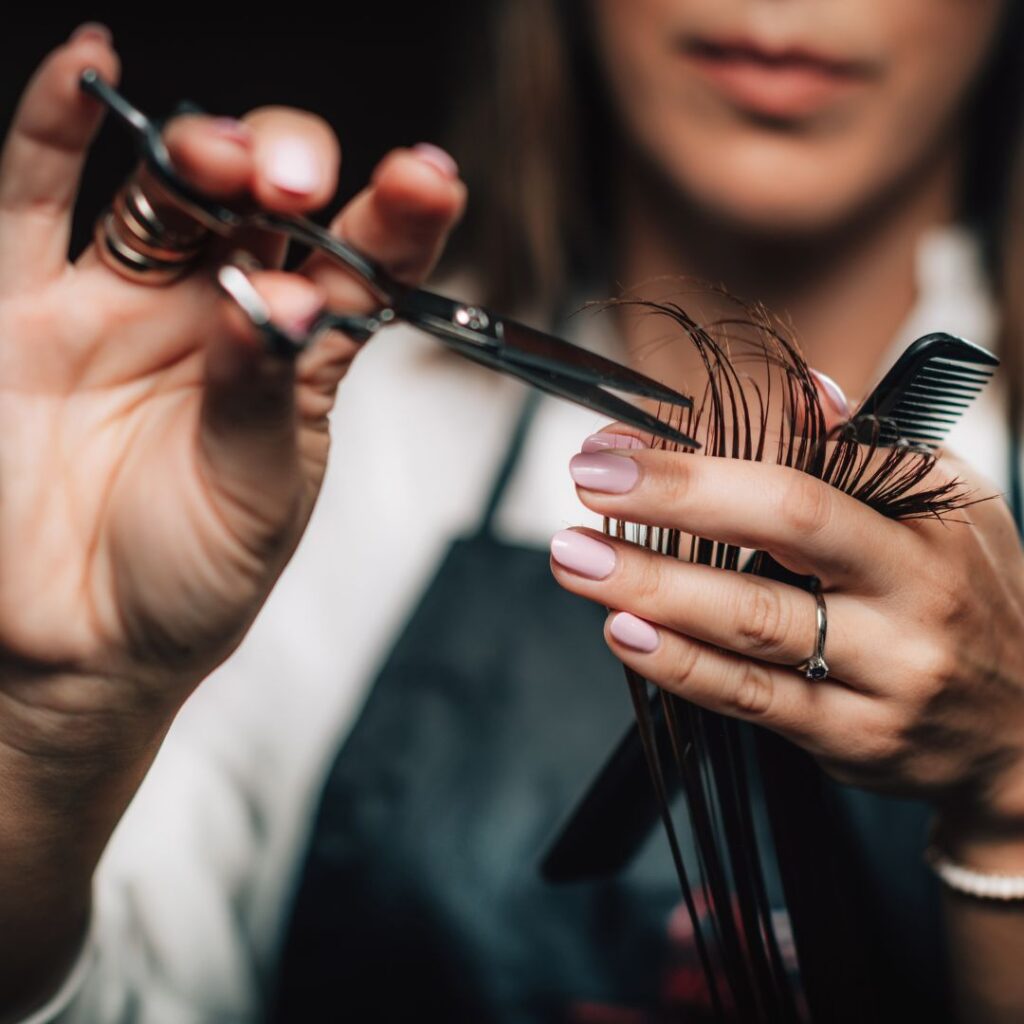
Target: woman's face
<point>791,115</point>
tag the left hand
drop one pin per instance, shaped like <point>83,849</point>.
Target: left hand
<point>925,643</point>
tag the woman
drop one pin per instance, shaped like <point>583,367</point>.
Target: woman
<point>159,471</point>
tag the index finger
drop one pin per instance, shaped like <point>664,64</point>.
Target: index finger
<point>805,524</point>
<point>401,220</point>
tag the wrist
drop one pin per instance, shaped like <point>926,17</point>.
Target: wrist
<point>39,979</point>
<point>987,845</point>
<point>982,823</point>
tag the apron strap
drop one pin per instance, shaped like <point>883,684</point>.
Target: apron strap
<point>508,464</point>
<point>1016,487</point>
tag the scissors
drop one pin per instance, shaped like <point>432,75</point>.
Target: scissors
<point>542,360</point>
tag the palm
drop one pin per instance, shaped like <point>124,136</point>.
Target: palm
<point>100,404</point>
<point>156,466</point>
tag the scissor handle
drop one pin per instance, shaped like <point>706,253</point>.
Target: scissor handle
<point>308,232</point>
<point>152,149</point>
<point>222,219</point>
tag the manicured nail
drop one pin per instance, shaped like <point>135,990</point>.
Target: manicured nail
<point>633,632</point>
<point>833,393</point>
<point>293,166</point>
<point>599,471</point>
<point>582,554</point>
<point>437,158</point>
<point>299,321</point>
<point>233,130</point>
<point>601,442</point>
<point>94,30</point>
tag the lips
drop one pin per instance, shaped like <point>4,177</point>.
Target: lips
<point>782,84</point>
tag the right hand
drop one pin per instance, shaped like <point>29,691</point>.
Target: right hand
<point>157,467</point>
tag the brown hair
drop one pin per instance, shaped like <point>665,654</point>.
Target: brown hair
<point>531,138</point>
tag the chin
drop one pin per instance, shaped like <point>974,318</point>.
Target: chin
<point>781,189</point>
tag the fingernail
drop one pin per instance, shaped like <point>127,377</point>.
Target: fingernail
<point>298,324</point>
<point>233,130</point>
<point>437,158</point>
<point>833,393</point>
<point>297,312</point>
<point>600,442</point>
<point>582,554</point>
<point>633,632</point>
<point>93,29</point>
<point>599,471</point>
<point>293,167</point>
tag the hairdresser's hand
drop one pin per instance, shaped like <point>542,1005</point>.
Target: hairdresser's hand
<point>925,644</point>
<point>156,466</point>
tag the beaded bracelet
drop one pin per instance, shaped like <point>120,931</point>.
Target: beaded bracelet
<point>980,884</point>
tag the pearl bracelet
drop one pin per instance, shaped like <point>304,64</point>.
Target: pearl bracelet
<point>980,884</point>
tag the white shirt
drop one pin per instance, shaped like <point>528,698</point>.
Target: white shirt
<point>192,894</point>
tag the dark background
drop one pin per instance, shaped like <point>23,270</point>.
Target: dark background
<point>382,74</point>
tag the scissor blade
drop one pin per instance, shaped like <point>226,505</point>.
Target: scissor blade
<point>589,396</point>
<point>526,346</point>
<point>546,352</point>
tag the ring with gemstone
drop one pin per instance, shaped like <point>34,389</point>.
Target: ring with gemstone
<point>815,667</point>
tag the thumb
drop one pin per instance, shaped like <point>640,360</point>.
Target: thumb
<point>248,424</point>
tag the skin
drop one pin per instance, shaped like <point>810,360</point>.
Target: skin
<point>158,470</point>
<point>817,215</point>
<point>821,215</point>
<point>808,173</point>
<point>143,579</point>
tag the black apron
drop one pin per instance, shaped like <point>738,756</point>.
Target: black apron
<point>420,898</point>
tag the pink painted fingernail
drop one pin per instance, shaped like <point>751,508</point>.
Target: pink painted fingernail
<point>833,393</point>
<point>599,471</point>
<point>92,30</point>
<point>601,442</point>
<point>582,554</point>
<point>293,166</point>
<point>633,632</point>
<point>300,314</point>
<point>438,158</point>
<point>233,130</point>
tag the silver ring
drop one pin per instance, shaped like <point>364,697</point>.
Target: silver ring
<point>815,667</point>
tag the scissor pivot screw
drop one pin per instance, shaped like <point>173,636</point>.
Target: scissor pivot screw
<point>471,317</point>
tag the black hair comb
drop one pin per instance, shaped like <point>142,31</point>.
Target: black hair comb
<point>926,391</point>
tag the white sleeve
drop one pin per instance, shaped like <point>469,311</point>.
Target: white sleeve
<point>168,939</point>
<point>71,987</point>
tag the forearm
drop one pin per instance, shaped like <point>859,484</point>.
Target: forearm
<point>986,937</point>
<point>59,804</point>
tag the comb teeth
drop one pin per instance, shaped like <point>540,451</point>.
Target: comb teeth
<point>928,389</point>
<point>938,395</point>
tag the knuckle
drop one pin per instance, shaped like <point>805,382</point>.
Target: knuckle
<point>883,748</point>
<point>685,666</point>
<point>646,580</point>
<point>761,619</point>
<point>879,740</point>
<point>805,505</point>
<point>672,474</point>
<point>935,665</point>
<point>753,692</point>
<point>947,602</point>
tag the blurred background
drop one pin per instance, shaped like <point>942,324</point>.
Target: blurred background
<point>382,74</point>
